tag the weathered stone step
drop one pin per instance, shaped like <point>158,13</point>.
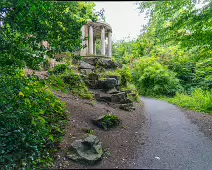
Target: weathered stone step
<point>119,98</point>
<point>127,106</point>
<point>102,62</point>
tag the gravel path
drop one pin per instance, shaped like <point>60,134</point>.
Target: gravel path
<point>174,142</point>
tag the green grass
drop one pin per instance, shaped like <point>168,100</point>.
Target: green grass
<point>199,100</point>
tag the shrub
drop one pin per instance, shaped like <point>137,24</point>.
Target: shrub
<point>133,95</point>
<point>199,100</point>
<point>203,74</point>
<point>46,64</point>
<point>152,78</point>
<point>178,60</point>
<point>70,81</point>
<point>32,122</point>
<point>126,75</point>
<point>108,121</point>
<point>59,69</point>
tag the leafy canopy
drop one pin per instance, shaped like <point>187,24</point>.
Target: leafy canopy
<point>26,23</point>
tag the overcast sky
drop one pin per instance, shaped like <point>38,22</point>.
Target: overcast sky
<point>123,17</point>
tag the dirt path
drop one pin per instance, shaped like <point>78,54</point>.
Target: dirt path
<point>174,141</point>
<point>121,143</point>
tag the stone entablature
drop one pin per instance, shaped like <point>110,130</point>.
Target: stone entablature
<point>96,30</point>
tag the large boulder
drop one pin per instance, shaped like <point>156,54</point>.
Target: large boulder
<point>109,64</point>
<point>127,107</point>
<point>112,91</point>
<point>90,60</point>
<point>91,84</point>
<point>86,71</point>
<point>120,98</point>
<point>92,80</point>
<point>87,151</point>
<point>108,83</point>
<point>118,79</point>
<point>93,76</point>
<point>101,98</point>
<point>84,65</point>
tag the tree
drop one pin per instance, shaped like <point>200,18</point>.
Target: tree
<point>27,23</point>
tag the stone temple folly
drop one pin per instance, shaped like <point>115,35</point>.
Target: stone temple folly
<point>97,30</point>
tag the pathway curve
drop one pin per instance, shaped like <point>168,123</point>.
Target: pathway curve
<point>173,141</point>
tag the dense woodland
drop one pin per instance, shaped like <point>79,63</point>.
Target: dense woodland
<point>171,60</point>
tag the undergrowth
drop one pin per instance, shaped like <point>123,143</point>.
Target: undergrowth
<point>64,79</point>
<point>199,100</point>
<point>32,122</point>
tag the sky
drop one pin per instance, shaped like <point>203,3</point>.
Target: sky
<point>123,17</point>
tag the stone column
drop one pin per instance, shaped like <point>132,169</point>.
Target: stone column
<point>83,51</point>
<point>94,46</point>
<point>103,41</point>
<point>90,40</point>
<point>109,44</point>
<point>86,41</point>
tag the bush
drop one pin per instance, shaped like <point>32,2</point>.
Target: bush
<point>203,74</point>
<point>59,69</point>
<point>69,81</point>
<point>199,100</point>
<point>32,122</point>
<point>46,64</point>
<point>125,74</point>
<point>107,122</point>
<point>151,78</point>
<point>133,95</point>
<point>178,60</point>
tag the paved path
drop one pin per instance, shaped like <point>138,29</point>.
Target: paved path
<point>173,142</point>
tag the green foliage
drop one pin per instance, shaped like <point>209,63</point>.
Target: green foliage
<point>152,78</point>
<point>67,81</point>
<point>199,100</point>
<point>177,41</point>
<point>203,74</point>
<point>123,50</point>
<point>109,121</point>
<point>125,74</point>
<point>178,21</point>
<point>110,73</point>
<point>59,69</point>
<point>57,83</point>
<point>28,23</point>
<point>133,95</point>
<point>46,64</point>
<point>90,131</point>
<point>32,122</point>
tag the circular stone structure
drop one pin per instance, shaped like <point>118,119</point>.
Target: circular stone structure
<point>96,30</point>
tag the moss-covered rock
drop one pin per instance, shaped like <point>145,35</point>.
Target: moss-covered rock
<point>107,121</point>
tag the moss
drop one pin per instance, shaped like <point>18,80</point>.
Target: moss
<point>108,121</point>
<point>69,81</point>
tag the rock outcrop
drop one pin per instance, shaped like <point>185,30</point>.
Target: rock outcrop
<point>91,67</point>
